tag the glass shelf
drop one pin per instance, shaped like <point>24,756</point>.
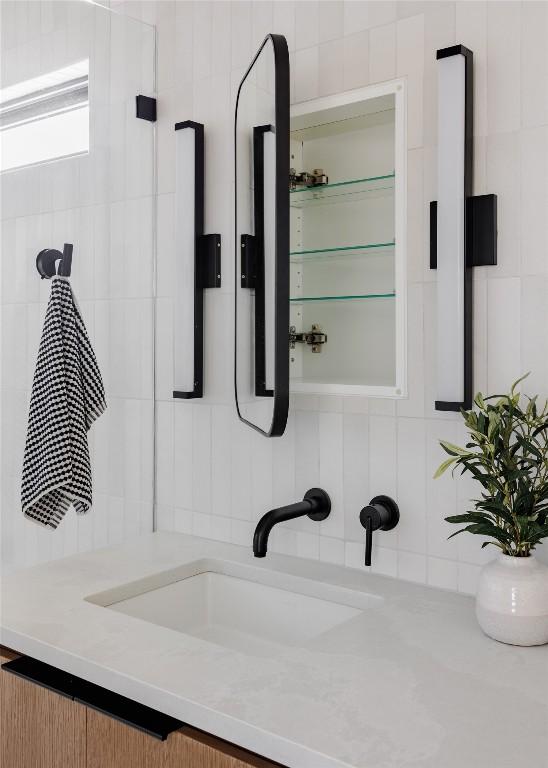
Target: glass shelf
<point>353,190</point>
<point>357,297</point>
<point>343,252</point>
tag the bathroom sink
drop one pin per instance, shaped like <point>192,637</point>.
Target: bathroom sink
<point>237,606</point>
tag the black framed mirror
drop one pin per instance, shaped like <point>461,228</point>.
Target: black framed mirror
<point>261,152</point>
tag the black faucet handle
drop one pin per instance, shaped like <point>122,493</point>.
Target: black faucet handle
<point>382,513</point>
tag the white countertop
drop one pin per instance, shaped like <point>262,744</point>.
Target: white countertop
<point>412,681</point>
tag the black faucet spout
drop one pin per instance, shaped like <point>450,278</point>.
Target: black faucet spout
<point>316,505</point>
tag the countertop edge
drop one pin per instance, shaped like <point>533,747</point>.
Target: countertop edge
<point>223,726</point>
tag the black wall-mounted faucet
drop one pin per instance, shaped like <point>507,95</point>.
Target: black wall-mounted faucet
<point>316,504</point>
<point>381,513</point>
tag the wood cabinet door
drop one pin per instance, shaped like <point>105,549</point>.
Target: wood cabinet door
<point>39,728</point>
<point>111,743</point>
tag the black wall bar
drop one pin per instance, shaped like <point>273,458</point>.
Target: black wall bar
<point>253,260</point>
<point>259,132</point>
<point>207,260</point>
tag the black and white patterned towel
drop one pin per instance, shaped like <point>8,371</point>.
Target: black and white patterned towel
<point>67,396</point>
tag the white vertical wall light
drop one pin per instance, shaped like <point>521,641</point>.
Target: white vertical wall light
<point>454,186</point>
<point>462,229</point>
<point>197,261</point>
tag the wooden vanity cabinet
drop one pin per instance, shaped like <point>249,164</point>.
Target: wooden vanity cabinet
<point>110,742</point>
<point>38,728</point>
<point>42,729</point>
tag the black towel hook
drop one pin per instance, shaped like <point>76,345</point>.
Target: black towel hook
<point>45,262</point>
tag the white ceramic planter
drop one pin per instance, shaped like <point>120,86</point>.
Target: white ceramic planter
<point>512,600</point>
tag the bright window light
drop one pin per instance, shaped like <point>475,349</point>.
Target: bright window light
<point>45,118</point>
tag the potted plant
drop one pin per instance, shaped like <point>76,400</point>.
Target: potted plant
<point>507,454</point>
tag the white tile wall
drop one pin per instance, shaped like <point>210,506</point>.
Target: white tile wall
<point>356,60</point>
<point>353,447</point>
<point>215,477</point>
<point>104,203</point>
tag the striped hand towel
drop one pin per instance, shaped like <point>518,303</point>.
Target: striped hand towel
<point>67,396</point>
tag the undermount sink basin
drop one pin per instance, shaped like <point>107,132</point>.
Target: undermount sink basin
<point>237,606</point>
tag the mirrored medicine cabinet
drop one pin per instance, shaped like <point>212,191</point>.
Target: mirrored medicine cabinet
<point>320,242</point>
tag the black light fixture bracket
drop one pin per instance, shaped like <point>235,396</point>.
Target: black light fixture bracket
<point>481,231</point>
<point>248,261</point>
<point>145,108</point>
<point>207,261</point>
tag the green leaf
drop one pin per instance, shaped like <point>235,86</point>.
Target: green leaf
<point>498,510</point>
<point>468,517</point>
<point>491,543</point>
<point>453,450</point>
<point>479,401</point>
<point>494,421</point>
<point>540,429</point>
<point>462,530</point>
<point>443,467</point>
<point>483,529</point>
<point>515,384</point>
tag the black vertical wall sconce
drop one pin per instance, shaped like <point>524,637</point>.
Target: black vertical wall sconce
<point>254,262</point>
<point>197,261</point>
<point>463,229</point>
